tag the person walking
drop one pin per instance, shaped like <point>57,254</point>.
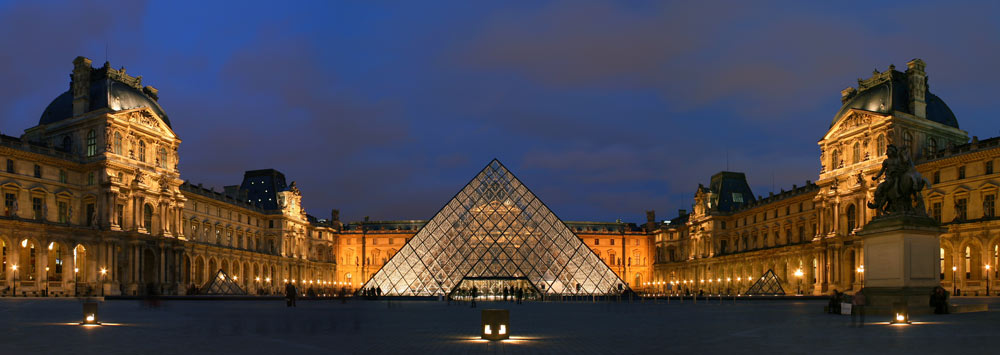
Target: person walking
<point>505,293</point>
<point>858,308</point>
<point>520,295</point>
<point>288,294</point>
<point>475,292</point>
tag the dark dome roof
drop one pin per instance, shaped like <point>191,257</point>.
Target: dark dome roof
<point>104,93</point>
<point>894,95</point>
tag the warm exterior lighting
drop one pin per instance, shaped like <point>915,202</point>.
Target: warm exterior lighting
<point>90,314</point>
<point>739,279</point>
<point>76,269</point>
<point>51,244</point>
<point>257,279</point>
<point>798,273</point>
<point>954,268</point>
<point>861,268</point>
<point>24,243</point>
<point>497,319</point>
<point>104,271</point>
<point>267,279</point>
<point>901,314</point>
<point>14,267</point>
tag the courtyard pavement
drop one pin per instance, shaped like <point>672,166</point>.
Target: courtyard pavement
<point>45,326</point>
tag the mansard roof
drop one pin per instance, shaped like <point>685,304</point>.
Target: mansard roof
<point>888,92</point>
<point>109,89</point>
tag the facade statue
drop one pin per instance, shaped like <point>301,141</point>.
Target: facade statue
<point>899,193</point>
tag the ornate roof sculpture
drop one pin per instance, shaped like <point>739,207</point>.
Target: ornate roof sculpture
<point>494,228</point>
<point>891,91</point>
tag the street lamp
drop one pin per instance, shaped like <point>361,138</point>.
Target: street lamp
<point>987,279</point>
<point>954,281</point>
<point>798,273</point>
<point>76,272</point>
<point>103,273</point>
<point>861,272</point>
<point>14,267</point>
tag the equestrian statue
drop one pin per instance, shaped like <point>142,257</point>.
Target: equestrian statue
<point>899,193</point>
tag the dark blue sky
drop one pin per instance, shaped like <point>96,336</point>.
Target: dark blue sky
<point>604,109</point>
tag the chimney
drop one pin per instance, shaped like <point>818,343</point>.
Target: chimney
<point>650,220</point>
<point>80,85</point>
<point>916,79</point>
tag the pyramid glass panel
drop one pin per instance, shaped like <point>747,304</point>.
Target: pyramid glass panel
<point>494,228</point>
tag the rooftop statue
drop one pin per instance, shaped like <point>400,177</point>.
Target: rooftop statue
<point>899,193</point>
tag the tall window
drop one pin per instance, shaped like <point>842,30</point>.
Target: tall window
<point>9,200</point>
<point>961,209</point>
<point>36,207</point>
<point>881,144</point>
<point>908,140</point>
<point>932,146</point>
<point>10,166</point>
<point>996,260</point>
<point>852,218</point>
<point>937,177</point>
<point>118,143</point>
<point>62,176</point>
<point>835,162</point>
<point>142,151</point>
<point>90,214</point>
<point>989,168</point>
<point>147,217</point>
<point>38,171</point>
<point>67,144</point>
<point>990,206</point>
<point>961,172</point>
<point>856,152</point>
<point>63,212</point>
<point>936,211</point>
<point>161,158</point>
<point>91,143</point>
<point>942,263</point>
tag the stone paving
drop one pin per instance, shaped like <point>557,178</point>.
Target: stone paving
<point>45,326</point>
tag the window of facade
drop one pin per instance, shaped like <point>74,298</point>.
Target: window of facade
<point>90,178</point>
<point>218,236</point>
<point>147,217</point>
<point>597,241</point>
<point>990,206</point>
<point>857,153</point>
<point>9,200</point>
<point>36,207</point>
<point>852,218</point>
<point>881,144</point>
<point>936,211</point>
<point>117,143</point>
<point>91,143</point>
<point>38,171</point>
<point>937,177</point>
<point>961,209</point>
<point>968,263</point>
<point>63,212</point>
<point>161,158</point>
<point>612,241</point>
<point>90,214</point>
<point>988,168</point>
<point>10,166</point>
<point>835,160</point>
<point>932,146</point>
<point>119,213</point>
<point>142,151</point>
<point>961,172</point>
<point>942,263</point>
<point>908,140</point>
<point>62,176</point>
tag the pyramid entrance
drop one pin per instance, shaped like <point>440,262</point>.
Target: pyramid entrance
<point>497,233</point>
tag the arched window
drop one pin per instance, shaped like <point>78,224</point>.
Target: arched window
<point>835,162</point>
<point>161,158</point>
<point>91,143</point>
<point>852,218</point>
<point>147,217</point>
<point>932,146</point>
<point>857,153</point>
<point>67,144</point>
<point>118,143</point>
<point>881,144</point>
<point>142,151</point>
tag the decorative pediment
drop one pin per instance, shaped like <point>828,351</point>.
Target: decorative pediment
<point>989,186</point>
<point>146,118</point>
<point>961,189</point>
<point>856,118</point>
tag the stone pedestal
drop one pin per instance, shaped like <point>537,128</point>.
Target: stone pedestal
<point>901,260</point>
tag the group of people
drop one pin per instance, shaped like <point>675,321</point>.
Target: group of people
<point>371,293</point>
<point>857,301</point>
<point>507,294</point>
<point>939,300</point>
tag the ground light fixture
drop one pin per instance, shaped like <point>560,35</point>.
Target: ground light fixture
<point>495,324</point>
<point>90,314</point>
<point>900,314</point>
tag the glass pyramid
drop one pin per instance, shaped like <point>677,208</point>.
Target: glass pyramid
<point>222,284</point>
<point>768,284</point>
<point>494,228</point>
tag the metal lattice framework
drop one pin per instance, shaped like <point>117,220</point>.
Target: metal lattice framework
<point>494,228</point>
<point>768,284</point>
<point>222,284</point>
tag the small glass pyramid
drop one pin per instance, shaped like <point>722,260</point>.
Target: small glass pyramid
<point>495,228</point>
<point>769,284</point>
<point>222,284</point>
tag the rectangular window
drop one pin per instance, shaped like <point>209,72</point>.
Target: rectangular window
<point>10,166</point>
<point>737,197</point>
<point>937,177</point>
<point>36,207</point>
<point>612,242</point>
<point>9,200</point>
<point>989,167</point>
<point>63,212</point>
<point>989,206</point>
<point>62,176</point>
<point>723,224</point>
<point>38,171</point>
<point>936,211</point>
<point>597,242</point>
<point>90,214</point>
<point>961,172</point>
<point>90,178</point>
<point>961,209</point>
<point>119,213</point>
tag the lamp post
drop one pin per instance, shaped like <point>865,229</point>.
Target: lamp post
<point>103,273</point>
<point>798,274</point>
<point>46,280</point>
<point>14,267</point>
<point>861,272</point>
<point>987,279</point>
<point>954,281</point>
<point>76,272</point>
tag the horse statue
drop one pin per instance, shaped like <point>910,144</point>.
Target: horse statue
<point>900,192</point>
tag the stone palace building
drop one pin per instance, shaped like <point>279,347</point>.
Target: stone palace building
<point>94,203</point>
